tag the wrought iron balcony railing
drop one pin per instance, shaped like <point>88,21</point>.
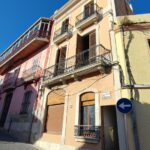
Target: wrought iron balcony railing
<point>41,30</point>
<point>63,33</point>
<point>88,132</point>
<point>9,83</point>
<point>98,55</point>
<point>32,73</point>
<point>94,9</point>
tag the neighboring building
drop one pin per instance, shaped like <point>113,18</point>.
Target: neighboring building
<point>79,91</point>
<point>21,68</point>
<point>133,49</point>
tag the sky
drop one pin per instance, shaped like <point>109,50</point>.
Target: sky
<point>18,15</point>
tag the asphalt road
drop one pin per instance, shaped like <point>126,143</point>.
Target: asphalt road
<point>9,143</point>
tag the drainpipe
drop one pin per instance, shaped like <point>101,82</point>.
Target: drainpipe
<point>122,134</point>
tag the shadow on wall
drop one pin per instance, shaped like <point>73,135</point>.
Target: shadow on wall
<point>140,114</point>
<point>21,120</point>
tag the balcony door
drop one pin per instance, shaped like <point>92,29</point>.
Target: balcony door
<point>88,9</point>
<point>44,31</point>
<point>60,61</point>
<point>6,106</point>
<point>86,49</point>
<point>65,25</point>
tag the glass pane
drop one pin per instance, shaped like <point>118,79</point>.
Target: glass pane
<point>88,115</point>
<point>92,115</point>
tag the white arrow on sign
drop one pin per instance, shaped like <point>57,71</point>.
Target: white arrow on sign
<point>123,105</point>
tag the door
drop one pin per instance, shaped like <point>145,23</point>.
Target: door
<point>109,128</point>
<point>5,109</point>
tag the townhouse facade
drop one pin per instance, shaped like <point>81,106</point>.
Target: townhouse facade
<point>21,68</point>
<point>81,86</point>
<point>133,49</point>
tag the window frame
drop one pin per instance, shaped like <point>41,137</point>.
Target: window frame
<point>97,107</point>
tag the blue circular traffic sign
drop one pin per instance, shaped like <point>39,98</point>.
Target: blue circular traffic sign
<point>124,105</point>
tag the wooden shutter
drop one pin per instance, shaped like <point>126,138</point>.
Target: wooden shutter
<point>55,119</point>
<point>79,50</point>
<point>62,54</point>
<point>55,111</point>
<point>91,8</point>
<point>87,99</point>
<point>92,46</point>
<point>60,60</point>
<point>61,65</point>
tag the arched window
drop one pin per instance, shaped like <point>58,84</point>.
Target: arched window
<point>87,109</point>
<point>87,120</point>
<point>26,102</point>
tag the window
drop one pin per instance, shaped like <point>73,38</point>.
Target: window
<point>88,9</point>
<point>65,25</point>
<point>26,102</point>
<point>87,109</point>
<point>87,120</point>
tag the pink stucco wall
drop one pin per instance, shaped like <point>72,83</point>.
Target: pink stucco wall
<point>18,92</point>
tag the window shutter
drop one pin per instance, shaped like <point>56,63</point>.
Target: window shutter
<point>62,54</point>
<point>55,119</point>
<point>55,111</point>
<point>60,60</point>
<point>61,65</point>
<point>92,46</point>
<point>79,50</point>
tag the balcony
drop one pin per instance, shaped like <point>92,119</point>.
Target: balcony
<point>63,34</point>
<point>84,19</point>
<point>33,39</point>
<point>88,61</point>
<point>87,133</point>
<point>33,73</point>
<point>9,83</point>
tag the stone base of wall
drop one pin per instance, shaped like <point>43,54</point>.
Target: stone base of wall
<point>52,146</point>
<point>21,136</point>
